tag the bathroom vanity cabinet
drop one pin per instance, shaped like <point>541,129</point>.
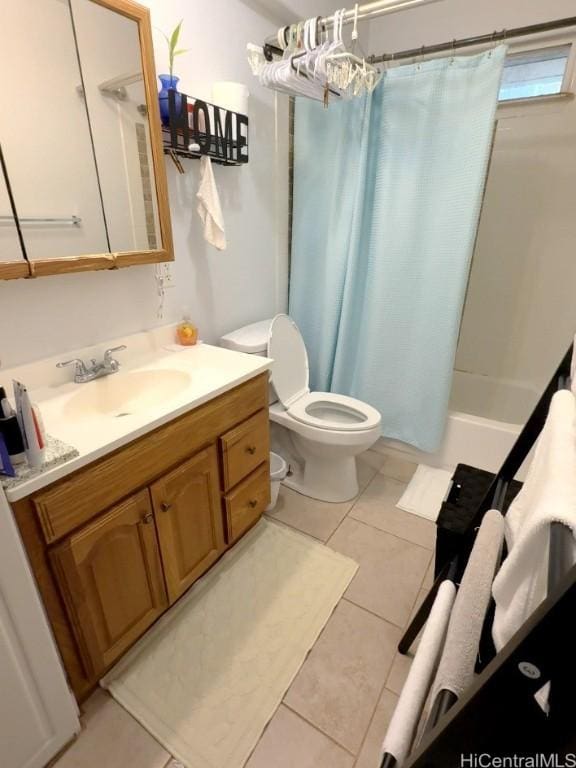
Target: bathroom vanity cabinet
<point>116,543</point>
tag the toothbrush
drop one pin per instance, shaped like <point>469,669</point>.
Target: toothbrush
<point>32,431</point>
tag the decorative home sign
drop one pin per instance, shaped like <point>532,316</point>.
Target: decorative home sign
<point>199,128</point>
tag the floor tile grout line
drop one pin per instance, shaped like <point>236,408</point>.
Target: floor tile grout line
<point>326,541</point>
<point>319,729</point>
<point>372,613</point>
<point>360,495</point>
<point>384,688</point>
<point>400,538</point>
<point>294,528</point>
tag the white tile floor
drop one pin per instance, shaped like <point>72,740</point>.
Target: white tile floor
<point>336,711</point>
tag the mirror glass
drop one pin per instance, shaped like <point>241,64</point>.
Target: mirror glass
<point>45,133</point>
<point>74,131</point>
<point>112,73</point>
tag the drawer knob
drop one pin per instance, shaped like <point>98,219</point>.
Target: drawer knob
<point>147,519</point>
<point>253,503</point>
<point>251,449</point>
<point>165,507</point>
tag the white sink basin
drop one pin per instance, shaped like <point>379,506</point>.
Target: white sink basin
<point>123,394</point>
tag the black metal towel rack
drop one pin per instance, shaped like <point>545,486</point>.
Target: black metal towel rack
<point>499,715</point>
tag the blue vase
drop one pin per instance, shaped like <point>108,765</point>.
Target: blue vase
<point>169,83</point>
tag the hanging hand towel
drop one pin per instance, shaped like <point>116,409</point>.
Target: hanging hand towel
<point>456,670</point>
<point>548,495</point>
<point>209,208</point>
<point>404,722</point>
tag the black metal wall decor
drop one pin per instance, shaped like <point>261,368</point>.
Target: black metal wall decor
<point>198,128</point>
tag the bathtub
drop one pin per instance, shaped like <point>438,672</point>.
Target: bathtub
<point>485,418</point>
<point>499,400</point>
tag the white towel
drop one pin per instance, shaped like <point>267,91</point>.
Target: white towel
<point>209,208</point>
<point>456,669</point>
<point>426,492</point>
<point>402,728</point>
<point>548,495</point>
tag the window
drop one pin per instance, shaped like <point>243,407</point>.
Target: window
<point>534,73</point>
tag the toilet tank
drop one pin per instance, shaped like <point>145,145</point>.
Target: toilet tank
<point>252,340</point>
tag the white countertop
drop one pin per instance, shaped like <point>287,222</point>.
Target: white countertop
<point>209,370</point>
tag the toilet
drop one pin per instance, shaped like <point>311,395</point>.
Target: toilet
<point>318,433</point>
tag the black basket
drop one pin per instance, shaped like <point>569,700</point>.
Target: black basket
<point>469,487</point>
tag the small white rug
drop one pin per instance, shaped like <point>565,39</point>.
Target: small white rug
<point>210,674</point>
<point>426,491</point>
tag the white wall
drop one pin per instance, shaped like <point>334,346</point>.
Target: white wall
<point>519,315</point>
<point>220,290</point>
<point>248,282</point>
<point>449,19</point>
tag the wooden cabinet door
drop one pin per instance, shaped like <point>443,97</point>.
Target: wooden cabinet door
<point>189,520</point>
<point>110,577</point>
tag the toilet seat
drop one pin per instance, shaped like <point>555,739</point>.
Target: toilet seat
<point>290,379</point>
<point>326,410</point>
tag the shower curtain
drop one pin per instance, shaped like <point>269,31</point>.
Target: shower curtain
<point>387,196</point>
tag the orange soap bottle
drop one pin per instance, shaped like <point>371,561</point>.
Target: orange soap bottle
<point>186,333</point>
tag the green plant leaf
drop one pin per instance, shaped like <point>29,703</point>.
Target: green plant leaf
<point>175,36</point>
<point>164,35</point>
<point>181,51</point>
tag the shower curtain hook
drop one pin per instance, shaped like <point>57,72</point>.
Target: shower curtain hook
<point>453,50</point>
<point>492,43</point>
<point>419,65</point>
<point>355,29</point>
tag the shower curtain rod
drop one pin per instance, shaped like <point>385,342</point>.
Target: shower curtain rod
<point>493,37</point>
<point>365,11</point>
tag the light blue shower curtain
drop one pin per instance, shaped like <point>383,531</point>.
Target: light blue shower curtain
<point>387,196</point>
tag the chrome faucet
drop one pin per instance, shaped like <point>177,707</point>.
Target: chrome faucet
<point>94,370</point>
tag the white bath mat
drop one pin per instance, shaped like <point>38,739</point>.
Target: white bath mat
<point>426,491</point>
<point>208,677</point>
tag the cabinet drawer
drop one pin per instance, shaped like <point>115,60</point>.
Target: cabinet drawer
<point>247,501</point>
<point>245,448</point>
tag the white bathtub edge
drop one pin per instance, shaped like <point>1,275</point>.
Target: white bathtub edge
<point>468,439</point>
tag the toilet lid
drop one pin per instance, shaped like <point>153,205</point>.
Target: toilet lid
<point>290,367</point>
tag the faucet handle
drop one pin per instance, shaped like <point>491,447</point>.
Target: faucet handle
<point>109,361</point>
<point>80,368</point>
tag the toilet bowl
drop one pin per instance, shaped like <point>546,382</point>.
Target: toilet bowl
<point>326,430</point>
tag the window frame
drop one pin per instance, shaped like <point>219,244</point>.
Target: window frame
<point>567,87</point>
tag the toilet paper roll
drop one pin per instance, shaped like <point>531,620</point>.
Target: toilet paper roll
<point>229,95</point>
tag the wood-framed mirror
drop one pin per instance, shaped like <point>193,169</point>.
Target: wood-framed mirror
<point>82,179</point>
